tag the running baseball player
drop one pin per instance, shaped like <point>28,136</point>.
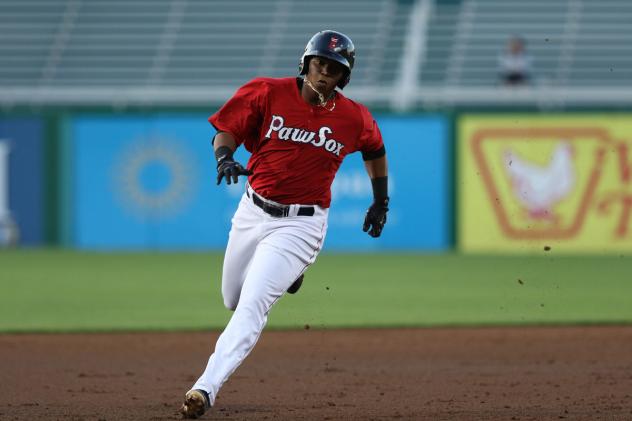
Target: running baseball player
<point>298,131</point>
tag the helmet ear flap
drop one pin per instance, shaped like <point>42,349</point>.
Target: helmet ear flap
<point>344,81</point>
<point>303,67</point>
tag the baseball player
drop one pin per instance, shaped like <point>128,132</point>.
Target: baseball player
<point>298,131</point>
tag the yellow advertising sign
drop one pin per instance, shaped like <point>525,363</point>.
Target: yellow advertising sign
<point>528,181</point>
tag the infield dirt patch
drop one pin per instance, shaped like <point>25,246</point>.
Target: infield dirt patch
<point>576,373</point>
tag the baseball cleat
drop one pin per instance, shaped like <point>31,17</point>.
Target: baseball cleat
<point>196,403</point>
<point>296,285</point>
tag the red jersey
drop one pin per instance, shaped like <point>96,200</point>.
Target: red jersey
<point>296,147</point>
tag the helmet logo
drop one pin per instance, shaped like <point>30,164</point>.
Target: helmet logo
<point>332,42</point>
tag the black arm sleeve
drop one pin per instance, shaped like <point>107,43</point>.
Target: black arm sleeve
<point>380,188</point>
<point>223,153</point>
<point>367,156</point>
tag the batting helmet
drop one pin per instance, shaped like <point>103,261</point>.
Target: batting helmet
<point>332,45</point>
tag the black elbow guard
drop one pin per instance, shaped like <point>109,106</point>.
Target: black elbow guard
<point>367,156</point>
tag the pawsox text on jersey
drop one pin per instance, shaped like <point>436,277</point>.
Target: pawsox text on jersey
<point>277,124</point>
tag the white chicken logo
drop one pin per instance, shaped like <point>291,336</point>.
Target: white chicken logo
<point>539,188</point>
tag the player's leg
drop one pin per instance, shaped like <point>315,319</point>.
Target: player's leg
<point>242,242</point>
<point>284,253</point>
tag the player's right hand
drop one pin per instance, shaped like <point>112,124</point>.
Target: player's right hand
<point>230,169</point>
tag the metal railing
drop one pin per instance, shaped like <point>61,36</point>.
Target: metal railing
<point>424,53</point>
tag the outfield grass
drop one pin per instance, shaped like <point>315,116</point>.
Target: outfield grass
<point>54,290</point>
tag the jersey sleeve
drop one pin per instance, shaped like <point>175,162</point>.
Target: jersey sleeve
<point>370,140</point>
<point>243,114</point>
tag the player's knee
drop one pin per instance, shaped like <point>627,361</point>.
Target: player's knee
<point>231,299</point>
<point>230,294</point>
<point>230,303</point>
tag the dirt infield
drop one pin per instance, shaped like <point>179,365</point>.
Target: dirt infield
<point>412,374</point>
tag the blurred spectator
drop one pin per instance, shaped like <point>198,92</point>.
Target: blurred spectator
<point>514,63</point>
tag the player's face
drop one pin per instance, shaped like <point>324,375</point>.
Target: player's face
<point>324,73</point>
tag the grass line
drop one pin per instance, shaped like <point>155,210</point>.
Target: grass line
<point>68,291</point>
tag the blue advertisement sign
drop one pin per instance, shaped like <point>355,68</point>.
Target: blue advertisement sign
<point>149,183</point>
<point>21,179</point>
<point>418,154</point>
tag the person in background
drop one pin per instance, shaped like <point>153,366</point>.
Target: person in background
<point>515,64</point>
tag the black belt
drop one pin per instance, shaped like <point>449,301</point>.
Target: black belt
<point>279,211</point>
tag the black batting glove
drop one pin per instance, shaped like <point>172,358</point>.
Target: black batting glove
<point>375,218</point>
<point>230,169</point>
<point>227,167</point>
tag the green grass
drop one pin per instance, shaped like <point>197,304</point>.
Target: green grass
<point>55,290</point>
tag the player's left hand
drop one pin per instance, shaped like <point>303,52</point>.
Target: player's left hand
<point>375,218</point>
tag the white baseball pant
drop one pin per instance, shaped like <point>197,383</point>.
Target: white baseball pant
<point>264,256</point>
